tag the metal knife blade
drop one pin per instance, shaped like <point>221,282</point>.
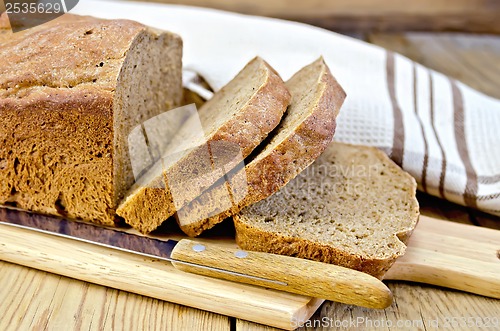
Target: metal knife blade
<point>90,233</point>
<point>104,237</point>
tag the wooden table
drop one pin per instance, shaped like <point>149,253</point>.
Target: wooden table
<point>35,300</point>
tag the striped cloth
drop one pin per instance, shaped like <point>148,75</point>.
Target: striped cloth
<point>438,129</point>
<point>442,133</point>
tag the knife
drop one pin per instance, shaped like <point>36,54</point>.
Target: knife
<point>284,273</point>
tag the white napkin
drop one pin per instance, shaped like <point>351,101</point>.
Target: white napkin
<point>439,130</point>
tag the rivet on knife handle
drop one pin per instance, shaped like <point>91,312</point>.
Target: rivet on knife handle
<point>315,279</point>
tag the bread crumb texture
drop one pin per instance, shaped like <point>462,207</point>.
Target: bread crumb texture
<point>70,92</point>
<point>353,207</point>
<point>233,123</point>
<point>304,132</point>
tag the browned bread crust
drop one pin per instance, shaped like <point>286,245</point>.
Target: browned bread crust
<point>353,207</point>
<point>70,91</point>
<point>244,123</point>
<point>303,135</point>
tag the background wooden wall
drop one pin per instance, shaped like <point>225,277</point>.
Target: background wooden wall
<point>372,15</point>
<point>480,16</point>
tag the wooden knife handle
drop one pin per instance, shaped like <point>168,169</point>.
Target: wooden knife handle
<point>316,279</point>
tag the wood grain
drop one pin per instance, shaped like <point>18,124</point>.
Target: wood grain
<point>440,253</point>
<point>249,326</point>
<point>473,59</point>
<point>445,210</point>
<point>367,15</point>
<point>20,305</point>
<point>454,255</point>
<point>284,273</point>
<point>422,304</point>
<point>151,277</point>
<point>415,307</point>
<point>36,300</point>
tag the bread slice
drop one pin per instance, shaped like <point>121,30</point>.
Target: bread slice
<point>71,90</point>
<point>305,131</point>
<point>353,207</point>
<point>241,114</point>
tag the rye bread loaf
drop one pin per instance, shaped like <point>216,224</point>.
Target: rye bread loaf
<point>239,116</point>
<point>303,134</point>
<point>352,207</point>
<point>70,92</point>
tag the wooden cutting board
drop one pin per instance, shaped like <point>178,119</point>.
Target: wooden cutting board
<point>441,253</point>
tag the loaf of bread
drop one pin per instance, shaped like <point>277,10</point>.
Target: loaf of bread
<point>353,207</point>
<point>233,123</point>
<point>70,92</point>
<point>303,134</point>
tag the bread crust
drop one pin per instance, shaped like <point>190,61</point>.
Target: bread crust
<point>257,239</point>
<point>252,123</point>
<point>267,175</point>
<point>247,129</point>
<point>253,239</point>
<point>58,84</point>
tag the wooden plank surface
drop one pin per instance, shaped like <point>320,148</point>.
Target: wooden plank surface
<point>473,59</point>
<point>31,299</point>
<point>151,277</point>
<point>414,308</point>
<point>368,15</point>
<point>36,300</point>
<point>431,258</point>
<point>463,57</point>
<point>452,255</point>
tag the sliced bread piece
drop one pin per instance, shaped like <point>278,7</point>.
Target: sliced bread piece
<point>305,131</point>
<point>242,113</point>
<point>353,207</point>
